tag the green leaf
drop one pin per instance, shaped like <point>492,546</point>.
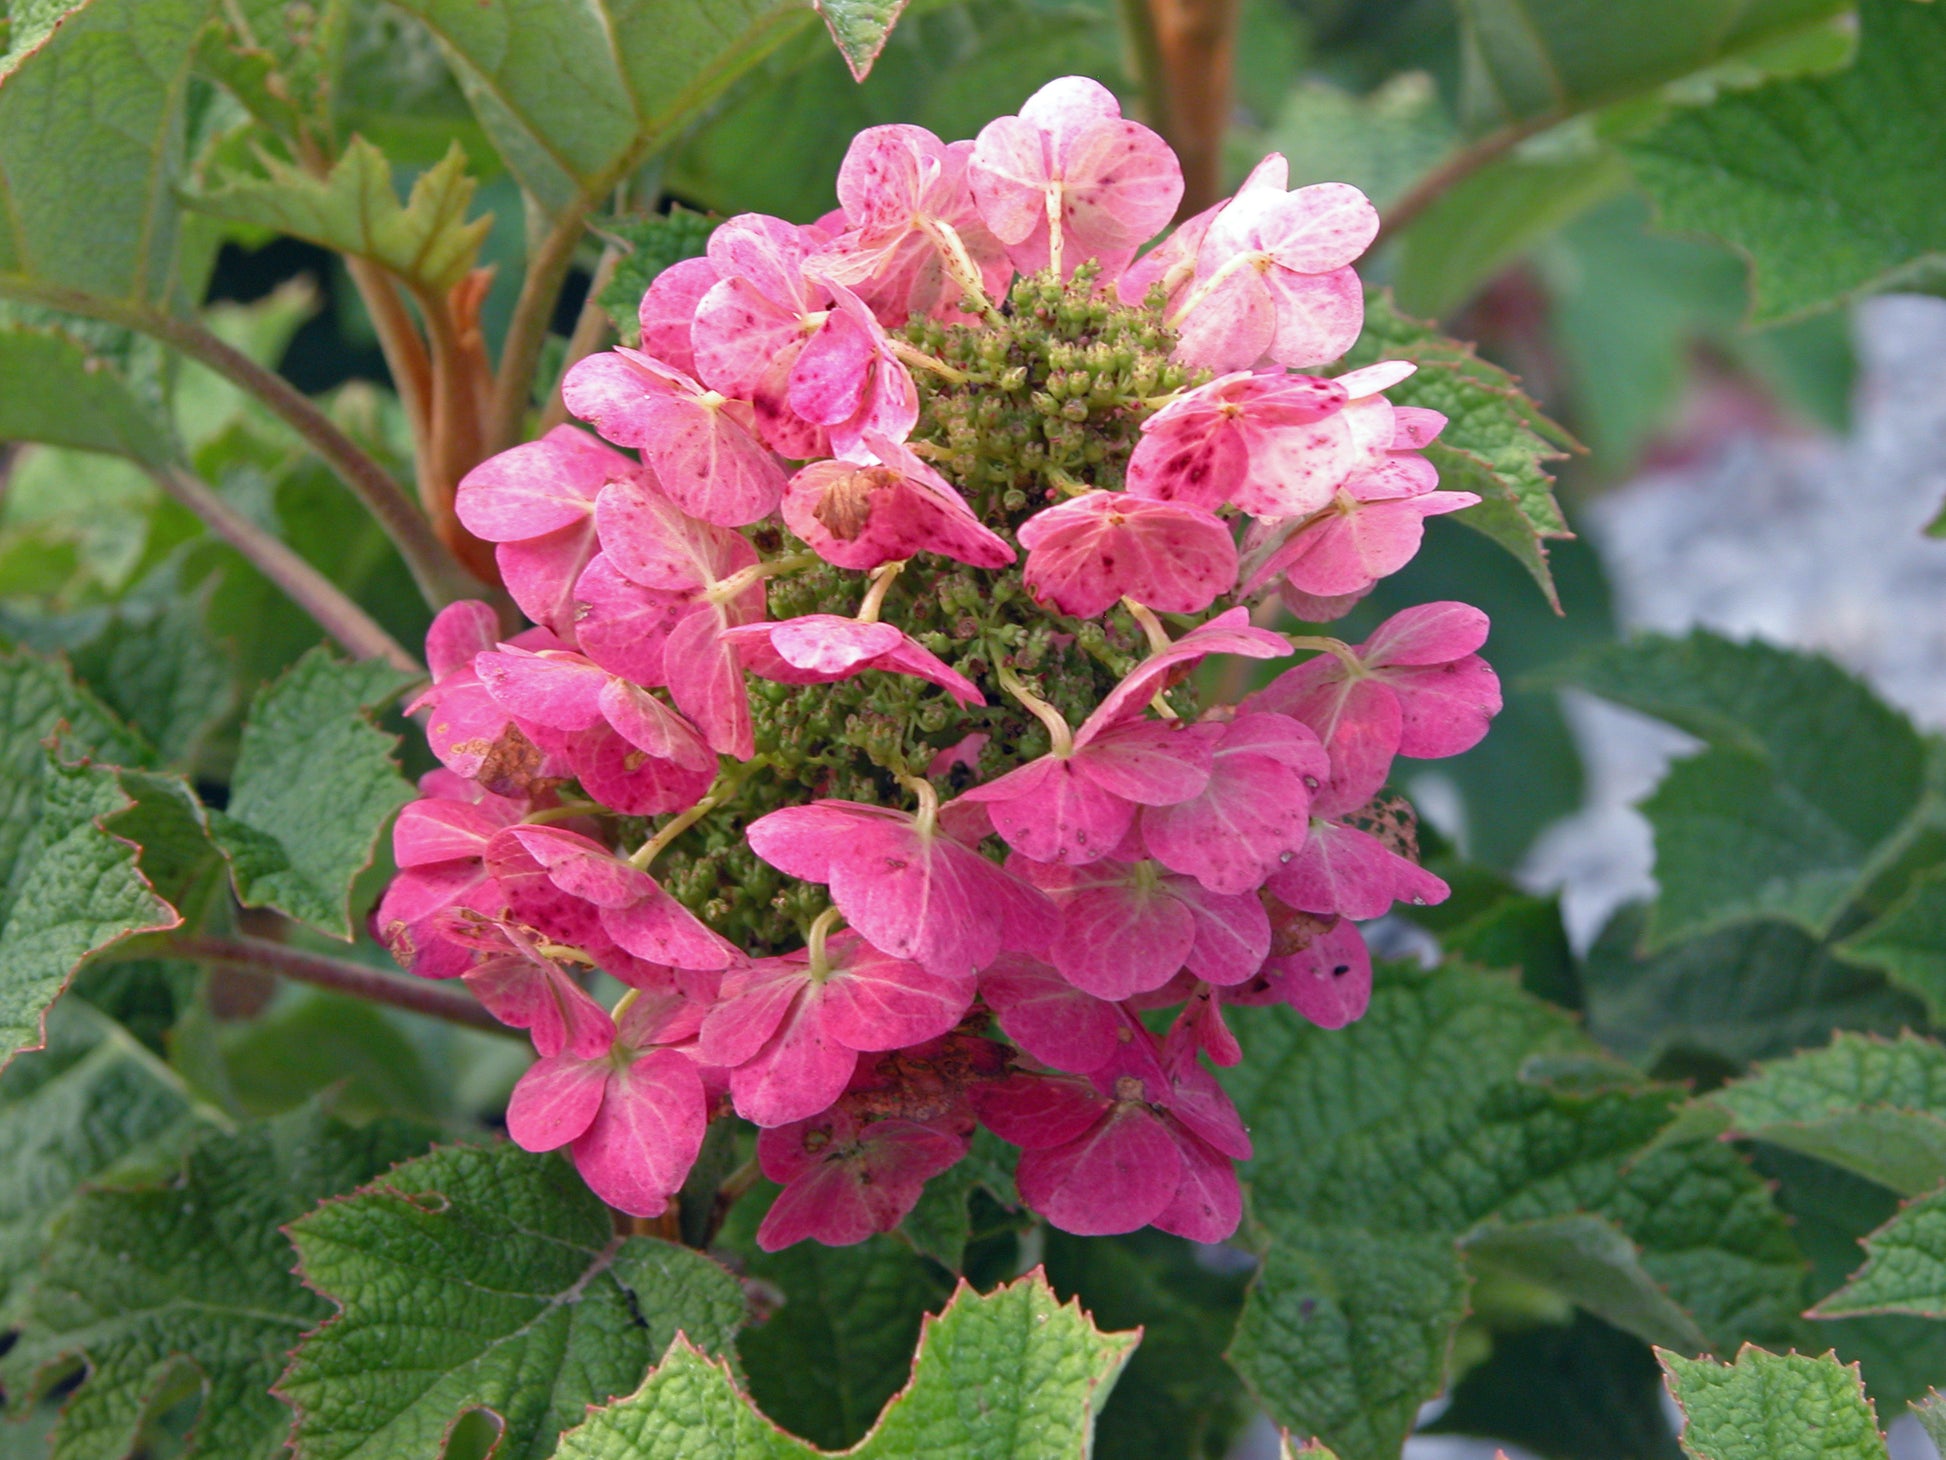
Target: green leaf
<point>654,243</point>
<point>1496,441</point>
<point>281,61</point>
<point>427,242</point>
<point>1807,778</point>
<point>1380,143</point>
<point>942,1223</point>
<point>1583,1391</point>
<point>1710,1005</point>
<point>1457,1106</point>
<point>575,97</point>
<point>1587,1260</point>
<point>62,392</point>
<point>1525,61</point>
<point>1909,942</point>
<point>1932,1416</point>
<point>1178,1400</point>
<point>860,28</point>
<point>157,666</point>
<point>1006,1373</point>
<point>824,1364</point>
<point>166,1289</point>
<point>541,1309</point>
<point>1773,1407</point>
<point>85,1108</point>
<point>74,890</point>
<point>1812,179</point>
<point>351,1052</point>
<point>1906,1267</point>
<point>1873,1106</point>
<point>1347,1334</point>
<point>315,784</point>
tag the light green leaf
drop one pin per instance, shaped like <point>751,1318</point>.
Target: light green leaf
<point>1007,1373</point>
<point>74,889</point>
<point>542,1309</point>
<point>1587,1260</point>
<point>90,1105</point>
<point>165,1289</point>
<point>315,784</point>
<point>576,97</point>
<point>1909,942</point>
<point>1496,441</point>
<point>62,392</point>
<point>281,61</point>
<point>427,242</point>
<point>1758,990</point>
<point>1808,779</point>
<point>654,243</point>
<point>1380,142</point>
<point>350,1052</point>
<point>860,27</point>
<point>1812,179</point>
<point>1873,1106</point>
<point>100,99</point>
<point>1773,1407</point>
<point>1525,60</point>
<point>1905,1270</point>
<point>1932,1416</point>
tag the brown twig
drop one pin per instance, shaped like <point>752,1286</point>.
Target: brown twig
<point>1192,43</point>
<point>399,340</point>
<point>355,630</point>
<point>590,333</point>
<point>520,355</point>
<point>340,975</point>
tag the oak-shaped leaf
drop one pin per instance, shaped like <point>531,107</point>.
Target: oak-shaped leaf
<point>166,1289</point>
<point>315,784</point>
<point>483,1278</point>
<point>1767,1406</point>
<point>1005,1373</point>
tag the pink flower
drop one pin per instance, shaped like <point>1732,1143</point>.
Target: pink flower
<point>1171,264</point>
<point>1068,179</point>
<point>1052,1020</point>
<point>1254,809</point>
<point>1273,280</point>
<point>1328,981</point>
<point>1276,445</point>
<point>897,187</point>
<point>628,749</point>
<point>469,730</point>
<point>858,515</point>
<point>1076,803</point>
<point>819,648</point>
<point>790,1029</point>
<point>439,843</point>
<point>623,626</point>
<point>537,501</point>
<point>654,544</point>
<point>1129,926</point>
<point>1145,1140</point>
<point>630,906</point>
<point>1343,870</point>
<point>905,883</point>
<point>845,1177</point>
<point>702,445</point>
<point>849,380</point>
<point>1415,687</point>
<point>524,988</point>
<point>1085,554</point>
<point>668,311</point>
<point>632,1117</point>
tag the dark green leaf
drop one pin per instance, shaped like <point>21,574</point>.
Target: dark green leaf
<point>315,784</point>
<point>1587,1260</point>
<point>654,243</point>
<point>1807,778</point>
<point>541,1309</point>
<point>62,392</point>
<point>1905,1271</point>
<point>1496,442</point>
<point>347,1050</point>
<point>1380,143</point>
<point>1909,942</point>
<point>158,668</point>
<point>164,1289</point>
<point>1812,179</point>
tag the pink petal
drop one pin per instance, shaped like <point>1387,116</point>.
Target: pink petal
<point>539,486</point>
<point>1148,762</point>
<point>706,682</point>
<point>1049,1017</point>
<point>1086,553</point>
<point>1115,1178</point>
<point>750,1005</point>
<point>621,625</point>
<point>1229,632</point>
<point>860,516</point>
<point>662,930</point>
<point>556,689</point>
<point>1197,462</point>
<point>828,644</point>
<point>1231,326</point>
<point>1359,721</point>
<point>745,343</point>
<point>669,309</point>
<point>1350,872</point>
<point>1208,1204</point>
<point>1428,633</point>
<point>653,542</point>
<point>458,632</point>
<point>1254,808</point>
<point>1117,937</point>
<point>1447,707</point>
<point>1049,811</point>
<point>540,572</point>
<point>430,831</point>
<point>1205,1108</point>
<point>1232,933</point>
<point>1122,184</point>
<point>555,1101</point>
<point>875,1002</point>
<point>639,1150</point>
<point>1319,316</point>
<point>1329,981</point>
<point>1295,469</point>
<point>625,778</point>
<point>524,991</point>
<point>653,728</point>
<point>799,1071</point>
<point>1038,1112</point>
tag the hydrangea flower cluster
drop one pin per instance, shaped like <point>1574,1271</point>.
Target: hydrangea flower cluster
<point>857,732</point>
